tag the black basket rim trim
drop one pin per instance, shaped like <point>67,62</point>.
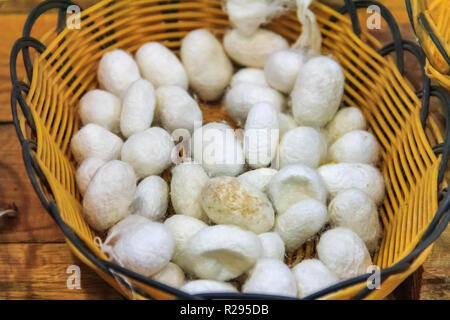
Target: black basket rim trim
<point>387,16</point>
<point>31,19</point>
<point>435,228</point>
<point>424,21</point>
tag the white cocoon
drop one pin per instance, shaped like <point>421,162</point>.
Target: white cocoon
<point>282,68</point>
<point>186,185</point>
<point>355,147</point>
<point>207,286</point>
<point>109,195</point>
<point>161,66</point>
<point>172,275</point>
<point>303,145</point>
<point>223,252</point>
<point>94,141</point>
<point>344,253</point>
<point>272,246</point>
<point>286,123</point>
<point>182,229</point>
<point>254,50</point>
<point>228,201</point>
<point>355,210</point>
<point>312,275</point>
<point>243,96</point>
<point>261,135</point>
<point>247,15</point>
<point>258,178</point>
<point>117,71</point>
<point>123,226</point>
<point>176,109</point>
<point>346,119</point>
<point>249,75</point>
<point>86,172</point>
<point>151,198</point>
<point>271,276</point>
<point>144,248</point>
<point>138,108</point>
<point>102,108</point>
<point>208,68</point>
<point>301,222</point>
<point>217,149</point>
<point>149,151</point>
<point>294,183</point>
<point>342,176</point>
<point>317,92</point>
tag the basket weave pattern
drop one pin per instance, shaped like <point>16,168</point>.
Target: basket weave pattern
<point>67,69</point>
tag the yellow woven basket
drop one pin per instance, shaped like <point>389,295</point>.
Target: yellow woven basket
<point>63,67</point>
<point>431,22</point>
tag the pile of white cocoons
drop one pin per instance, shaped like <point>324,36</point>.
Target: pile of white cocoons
<point>212,207</point>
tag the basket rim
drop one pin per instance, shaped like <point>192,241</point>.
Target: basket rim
<point>434,229</point>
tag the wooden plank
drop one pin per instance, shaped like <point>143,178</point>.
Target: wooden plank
<point>32,223</point>
<point>39,271</point>
<point>436,271</point>
<point>11,26</point>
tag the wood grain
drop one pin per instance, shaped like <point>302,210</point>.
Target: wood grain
<point>32,223</point>
<point>11,26</point>
<point>39,271</point>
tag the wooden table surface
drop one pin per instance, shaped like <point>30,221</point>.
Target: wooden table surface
<point>33,256</point>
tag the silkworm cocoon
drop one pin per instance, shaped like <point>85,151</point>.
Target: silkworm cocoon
<point>301,222</point>
<point>94,141</point>
<point>317,92</point>
<point>344,253</point>
<point>243,96</point>
<point>208,68</point>
<point>207,286</point>
<point>86,172</point>
<point>303,145</point>
<point>272,246</point>
<point>176,109</point>
<point>282,68</point>
<point>286,123</point>
<point>102,108</point>
<point>355,210</point>
<point>182,229</point>
<point>122,227</point>
<point>346,120</point>
<point>249,75</point>
<point>258,178</point>
<point>294,183</point>
<point>160,66</point>
<point>223,252</point>
<point>149,151</point>
<point>171,275</point>
<point>355,147</point>
<point>186,185</point>
<point>109,195</point>
<point>342,176</point>
<point>217,149</point>
<point>228,201</point>
<point>151,198</point>
<point>261,135</point>
<point>117,70</point>
<point>271,276</point>
<point>312,275</point>
<point>138,108</point>
<point>254,50</point>
<point>145,248</point>
<point>248,15</point>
